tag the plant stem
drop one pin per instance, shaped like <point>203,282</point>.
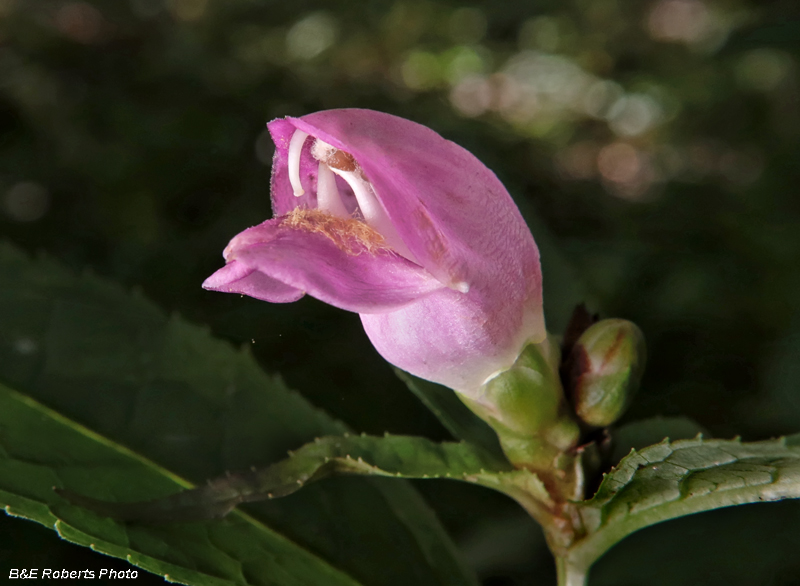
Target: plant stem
<point>569,573</point>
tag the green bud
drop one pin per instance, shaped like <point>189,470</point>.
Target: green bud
<point>604,370</point>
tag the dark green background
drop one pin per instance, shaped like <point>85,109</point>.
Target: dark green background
<point>132,142</point>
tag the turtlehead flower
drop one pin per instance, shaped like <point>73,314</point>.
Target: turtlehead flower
<point>382,216</point>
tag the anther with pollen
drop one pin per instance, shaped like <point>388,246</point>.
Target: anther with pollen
<point>332,161</point>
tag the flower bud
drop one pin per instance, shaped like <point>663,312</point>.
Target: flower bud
<point>604,370</point>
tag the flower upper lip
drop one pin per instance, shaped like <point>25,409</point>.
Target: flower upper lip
<point>408,182</point>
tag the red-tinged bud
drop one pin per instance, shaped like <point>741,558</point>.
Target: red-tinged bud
<point>604,370</point>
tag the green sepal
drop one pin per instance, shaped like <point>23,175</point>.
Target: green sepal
<point>526,398</point>
<point>526,407</point>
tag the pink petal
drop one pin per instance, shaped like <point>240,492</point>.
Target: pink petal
<point>450,210</point>
<point>310,262</point>
<point>236,277</point>
<point>452,338</point>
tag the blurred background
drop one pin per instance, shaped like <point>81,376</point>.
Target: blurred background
<point>652,145</point>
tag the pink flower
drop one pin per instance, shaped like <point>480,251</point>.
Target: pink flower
<point>381,216</point>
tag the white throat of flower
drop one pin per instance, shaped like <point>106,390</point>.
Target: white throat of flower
<point>332,162</point>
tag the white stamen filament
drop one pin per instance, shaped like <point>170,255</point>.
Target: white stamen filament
<point>328,197</point>
<point>373,212</point>
<point>295,149</point>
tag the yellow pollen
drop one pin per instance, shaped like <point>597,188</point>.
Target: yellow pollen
<point>348,234</point>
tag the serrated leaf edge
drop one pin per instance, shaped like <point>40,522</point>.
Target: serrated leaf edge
<point>182,482</point>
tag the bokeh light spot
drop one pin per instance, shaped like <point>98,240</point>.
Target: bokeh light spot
<point>578,161</point>
<point>80,22</point>
<point>188,10</point>
<point>626,171</point>
<point>763,69</point>
<point>679,21</point>
<point>600,96</point>
<point>619,162</point>
<point>311,36</point>
<point>7,7</point>
<point>741,168</point>
<point>25,346</point>
<point>421,70</point>
<point>472,96</point>
<point>464,61</point>
<point>26,201</point>
<point>633,115</point>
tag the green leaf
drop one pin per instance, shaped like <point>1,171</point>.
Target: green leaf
<point>393,456</point>
<point>673,479</point>
<point>40,449</point>
<point>195,407</point>
<point>456,417</point>
<point>640,434</point>
<point>792,440</point>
